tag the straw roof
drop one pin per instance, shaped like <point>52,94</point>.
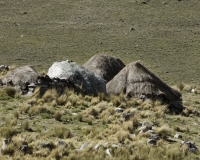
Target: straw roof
<point>104,66</point>
<point>135,80</point>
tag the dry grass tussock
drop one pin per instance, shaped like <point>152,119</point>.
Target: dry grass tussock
<point>77,119</point>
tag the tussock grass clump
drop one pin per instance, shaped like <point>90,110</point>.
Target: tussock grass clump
<point>11,91</point>
<point>181,129</point>
<point>86,130</point>
<point>3,93</point>
<point>95,100</point>
<point>57,116</point>
<point>190,111</point>
<point>50,95</point>
<point>7,132</point>
<point>10,122</point>
<point>146,105</point>
<point>79,117</point>
<point>73,99</point>
<point>94,112</point>
<point>115,100</point>
<point>108,112</point>
<point>145,114</point>
<point>16,114</point>
<point>180,86</point>
<point>62,100</point>
<point>164,131</point>
<point>9,150</point>
<point>122,135</point>
<point>101,96</point>
<point>40,109</point>
<point>25,125</point>
<point>62,132</point>
<point>174,153</point>
<point>89,120</point>
<point>24,108</point>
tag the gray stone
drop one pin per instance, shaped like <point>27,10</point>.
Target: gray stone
<point>151,141</point>
<point>88,82</point>
<point>177,136</point>
<point>84,146</point>
<point>108,152</point>
<point>97,146</point>
<point>5,143</point>
<point>61,143</point>
<point>143,129</point>
<point>127,116</point>
<point>155,137</point>
<point>119,110</point>
<point>23,148</point>
<point>191,146</point>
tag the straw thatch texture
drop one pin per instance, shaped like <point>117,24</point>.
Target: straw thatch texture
<point>104,66</point>
<point>136,80</point>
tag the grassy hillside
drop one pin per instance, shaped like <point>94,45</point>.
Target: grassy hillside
<point>165,37</point>
<point>41,122</point>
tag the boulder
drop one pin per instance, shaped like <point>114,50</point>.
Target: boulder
<point>135,80</point>
<point>104,66</point>
<point>21,76</point>
<point>88,82</point>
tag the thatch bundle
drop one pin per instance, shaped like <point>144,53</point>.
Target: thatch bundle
<point>135,80</point>
<point>104,66</point>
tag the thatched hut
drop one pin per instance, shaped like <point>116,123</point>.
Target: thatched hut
<point>104,66</point>
<point>135,80</point>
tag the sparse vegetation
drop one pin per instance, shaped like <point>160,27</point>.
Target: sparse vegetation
<point>54,126</point>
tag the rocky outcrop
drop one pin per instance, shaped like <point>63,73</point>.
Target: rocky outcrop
<point>135,80</point>
<point>88,82</point>
<point>104,66</point>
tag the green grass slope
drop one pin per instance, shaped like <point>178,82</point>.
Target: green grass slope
<point>165,37</point>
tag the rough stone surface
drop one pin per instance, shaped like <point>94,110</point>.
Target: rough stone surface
<point>135,80</point>
<point>104,66</point>
<point>21,76</point>
<point>89,83</point>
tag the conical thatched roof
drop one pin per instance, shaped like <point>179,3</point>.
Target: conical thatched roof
<point>20,76</point>
<point>104,66</point>
<point>136,80</point>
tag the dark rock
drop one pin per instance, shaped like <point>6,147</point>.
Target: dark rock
<point>151,141</point>
<point>127,116</point>
<point>104,66</point>
<point>62,143</point>
<point>191,146</point>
